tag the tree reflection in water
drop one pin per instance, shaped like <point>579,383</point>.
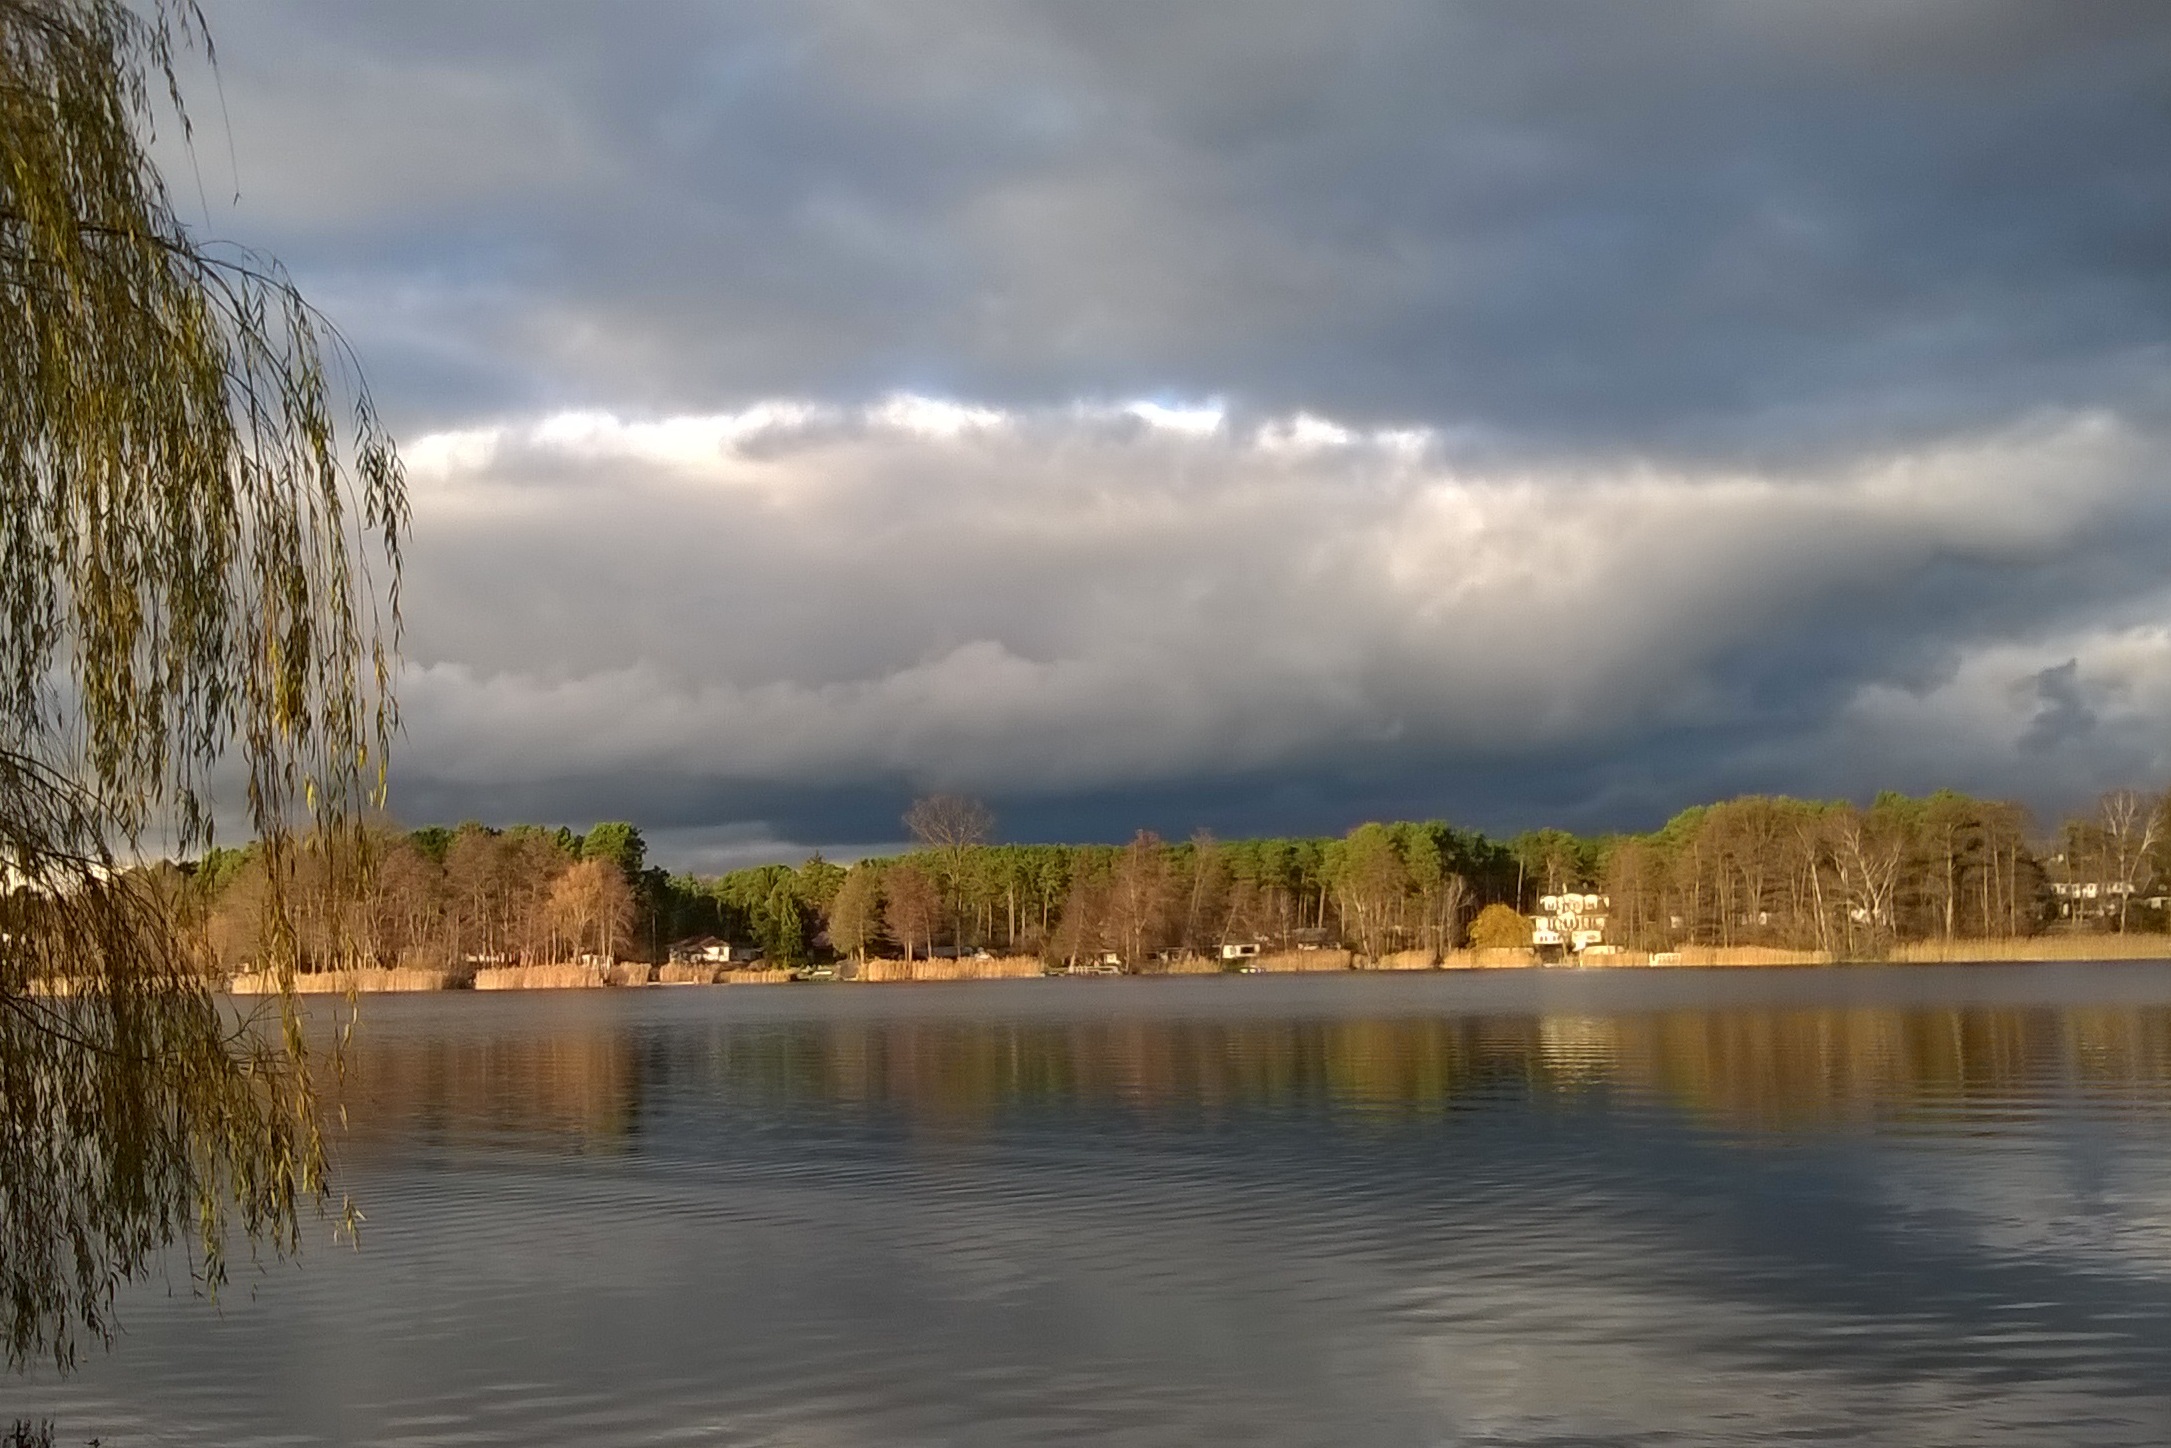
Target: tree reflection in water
<point>581,1069</point>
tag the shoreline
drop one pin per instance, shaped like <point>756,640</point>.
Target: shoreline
<point>2046,950</point>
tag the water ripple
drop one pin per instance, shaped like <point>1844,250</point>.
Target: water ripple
<point>1878,1207</point>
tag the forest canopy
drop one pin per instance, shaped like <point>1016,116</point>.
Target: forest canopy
<point>1758,870</point>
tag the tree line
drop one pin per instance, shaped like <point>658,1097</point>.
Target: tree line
<point>1383,886</point>
<point>434,897</point>
<point>1756,870</point>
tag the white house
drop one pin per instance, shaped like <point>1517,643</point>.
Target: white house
<point>1572,922</point>
<point>708,950</point>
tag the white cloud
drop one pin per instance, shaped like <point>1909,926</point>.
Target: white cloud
<point>946,593</point>
<point>933,416</point>
<point>1304,432</point>
<point>592,436</point>
<point>1199,421</point>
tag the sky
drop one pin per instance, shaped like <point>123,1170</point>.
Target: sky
<point>1256,416</point>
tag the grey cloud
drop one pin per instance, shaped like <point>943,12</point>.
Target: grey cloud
<point>774,610</point>
<point>1679,226</point>
<point>1791,375</point>
<point>2064,714</point>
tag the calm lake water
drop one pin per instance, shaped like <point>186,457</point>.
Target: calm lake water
<point>1920,1206</point>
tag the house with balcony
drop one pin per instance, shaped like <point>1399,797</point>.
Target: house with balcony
<point>1568,924</point>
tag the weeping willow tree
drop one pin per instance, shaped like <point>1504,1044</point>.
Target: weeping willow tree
<point>200,523</point>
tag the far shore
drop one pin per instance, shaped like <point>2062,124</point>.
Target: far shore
<point>635,975</point>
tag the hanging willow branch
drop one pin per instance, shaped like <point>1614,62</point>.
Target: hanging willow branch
<point>198,581</point>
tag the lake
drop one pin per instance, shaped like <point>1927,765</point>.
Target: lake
<point>1915,1206</point>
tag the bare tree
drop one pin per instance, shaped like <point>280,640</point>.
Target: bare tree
<point>590,905</point>
<point>949,825</point>
<point>2128,824</point>
<point>1755,828</point>
<point>912,907</point>
<point>1209,886</point>
<point>1868,850</point>
<point>1082,928</point>
<point>1810,854</point>
<point>2005,831</point>
<point>1138,896</point>
<point>1636,885</point>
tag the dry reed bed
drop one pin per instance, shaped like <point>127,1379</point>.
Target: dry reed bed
<point>540,977</point>
<point>2036,947</point>
<point>1741,955</point>
<point>1021,967</point>
<point>1001,967</point>
<point>339,982</point>
<point>1199,965</point>
<point>1488,959</point>
<point>1286,961</point>
<point>563,977</point>
<point>1691,955</point>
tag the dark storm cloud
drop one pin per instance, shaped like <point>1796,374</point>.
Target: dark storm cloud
<point>2065,714</point>
<point>1589,407</point>
<point>1652,223</point>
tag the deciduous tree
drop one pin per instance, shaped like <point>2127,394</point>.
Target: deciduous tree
<point>855,915</point>
<point>187,539</point>
<point>591,907</point>
<point>1138,897</point>
<point>949,825</point>
<point>1500,927</point>
<point>1374,885</point>
<point>911,907</point>
<point>2128,822</point>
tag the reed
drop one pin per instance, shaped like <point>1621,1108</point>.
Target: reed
<point>763,976</point>
<point>1494,958</point>
<point>1286,961</point>
<point>686,973</point>
<point>1001,967</point>
<point>1196,965</point>
<point>2036,947</point>
<point>541,977</point>
<point>339,982</point>
<point>1700,957</point>
<point>1738,955</point>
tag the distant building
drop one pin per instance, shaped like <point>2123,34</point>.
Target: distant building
<point>2088,899</point>
<point>55,880</point>
<point>709,950</point>
<point>2083,893</point>
<point>1569,923</point>
<point>1239,950</point>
